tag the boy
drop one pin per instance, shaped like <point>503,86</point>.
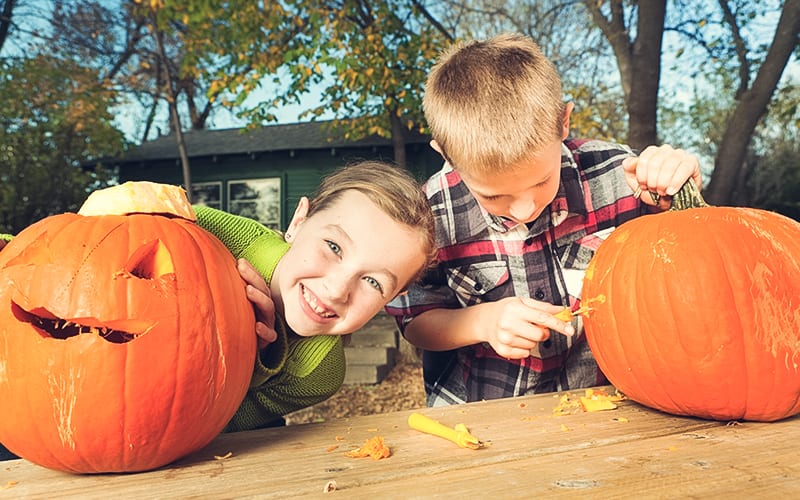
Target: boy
<point>519,210</point>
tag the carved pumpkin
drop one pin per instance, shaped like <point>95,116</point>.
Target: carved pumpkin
<point>126,341</point>
<point>697,311</point>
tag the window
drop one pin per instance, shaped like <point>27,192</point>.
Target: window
<point>258,199</point>
<point>208,194</point>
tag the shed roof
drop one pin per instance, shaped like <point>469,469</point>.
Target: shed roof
<point>307,135</point>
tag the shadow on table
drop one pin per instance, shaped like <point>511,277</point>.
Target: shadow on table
<point>5,454</point>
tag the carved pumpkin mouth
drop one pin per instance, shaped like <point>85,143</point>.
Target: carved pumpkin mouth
<point>63,329</point>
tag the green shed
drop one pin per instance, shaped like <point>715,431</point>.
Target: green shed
<point>262,173</point>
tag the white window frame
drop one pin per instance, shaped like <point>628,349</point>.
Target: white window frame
<point>258,199</point>
<point>208,194</point>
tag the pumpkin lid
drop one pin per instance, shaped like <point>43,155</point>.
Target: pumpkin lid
<point>139,197</point>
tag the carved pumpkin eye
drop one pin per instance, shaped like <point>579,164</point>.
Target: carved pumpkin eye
<point>151,261</point>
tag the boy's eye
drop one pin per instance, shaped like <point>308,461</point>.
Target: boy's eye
<point>334,247</point>
<point>374,283</point>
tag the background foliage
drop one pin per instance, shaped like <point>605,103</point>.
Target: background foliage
<point>84,79</point>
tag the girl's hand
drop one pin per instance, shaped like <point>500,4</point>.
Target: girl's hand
<point>258,293</point>
<point>661,170</point>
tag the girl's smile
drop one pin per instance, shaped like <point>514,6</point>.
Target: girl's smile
<point>345,262</point>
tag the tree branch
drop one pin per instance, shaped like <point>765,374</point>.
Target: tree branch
<point>740,47</point>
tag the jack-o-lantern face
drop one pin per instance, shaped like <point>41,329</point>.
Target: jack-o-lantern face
<point>126,341</point>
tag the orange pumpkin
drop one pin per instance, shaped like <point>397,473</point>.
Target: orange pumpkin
<point>697,311</point>
<point>126,341</point>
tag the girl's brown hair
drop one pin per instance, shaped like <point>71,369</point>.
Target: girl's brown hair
<point>392,189</point>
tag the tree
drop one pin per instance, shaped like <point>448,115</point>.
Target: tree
<point>638,60</point>
<point>369,57</point>
<point>378,55</point>
<point>122,43</point>
<point>6,13</point>
<point>566,33</point>
<point>639,64</point>
<point>773,161</point>
<point>752,101</point>
<point>55,119</point>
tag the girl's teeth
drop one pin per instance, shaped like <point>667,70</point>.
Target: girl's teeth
<point>312,301</point>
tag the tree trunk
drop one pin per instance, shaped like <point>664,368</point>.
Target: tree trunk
<point>722,189</point>
<point>187,172</point>
<point>5,21</point>
<point>638,61</point>
<point>398,139</point>
<point>646,75</point>
<point>172,99</point>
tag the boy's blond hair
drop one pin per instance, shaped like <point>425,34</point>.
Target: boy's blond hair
<point>493,103</point>
<point>392,189</point>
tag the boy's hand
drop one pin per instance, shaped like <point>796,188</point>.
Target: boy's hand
<point>662,170</point>
<point>515,325</point>
<point>258,294</point>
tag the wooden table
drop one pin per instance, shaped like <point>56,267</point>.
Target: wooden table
<point>631,451</point>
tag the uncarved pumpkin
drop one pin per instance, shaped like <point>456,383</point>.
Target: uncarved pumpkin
<point>697,311</point>
<point>126,341</point>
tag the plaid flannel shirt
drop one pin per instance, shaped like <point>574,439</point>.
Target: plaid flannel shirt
<point>485,258</point>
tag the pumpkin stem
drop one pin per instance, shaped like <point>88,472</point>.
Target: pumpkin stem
<point>688,197</point>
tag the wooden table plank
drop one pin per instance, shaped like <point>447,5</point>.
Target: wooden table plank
<point>719,462</point>
<point>629,451</point>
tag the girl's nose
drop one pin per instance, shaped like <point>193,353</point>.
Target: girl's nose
<point>337,287</point>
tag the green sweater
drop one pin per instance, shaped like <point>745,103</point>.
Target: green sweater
<point>293,372</point>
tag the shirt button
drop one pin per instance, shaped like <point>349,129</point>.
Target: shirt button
<point>528,241</point>
<point>539,294</point>
<point>478,287</point>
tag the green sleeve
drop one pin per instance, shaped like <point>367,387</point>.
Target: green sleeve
<point>263,248</point>
<point>293,372</point>
<point>313,371</point>
<point>245,238</point>
<point>6,237</point>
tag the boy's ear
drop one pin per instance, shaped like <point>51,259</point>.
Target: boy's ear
<point>437,148</point>
<point>565,124</point>
<point>298,218</point>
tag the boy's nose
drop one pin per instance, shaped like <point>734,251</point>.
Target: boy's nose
<point>521,209</point>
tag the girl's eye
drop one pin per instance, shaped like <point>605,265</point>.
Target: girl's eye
<point>334,247</point>
<point>374,283</point>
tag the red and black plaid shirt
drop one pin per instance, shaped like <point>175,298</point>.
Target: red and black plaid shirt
<point>484,258</point>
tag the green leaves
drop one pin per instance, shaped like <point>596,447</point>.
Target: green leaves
<point>56,117</point>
